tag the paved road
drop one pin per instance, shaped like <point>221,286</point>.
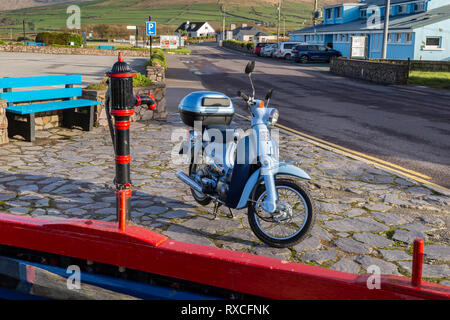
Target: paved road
<point>407,126</point>
<point>92,68</point>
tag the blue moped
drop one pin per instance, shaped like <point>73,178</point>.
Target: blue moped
<point>238,170</point>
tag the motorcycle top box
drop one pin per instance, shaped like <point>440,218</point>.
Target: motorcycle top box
<point>208,107</point>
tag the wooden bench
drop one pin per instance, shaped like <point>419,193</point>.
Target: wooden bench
<point>76,112</point>
<point>35,44</point>
<point>107,47</point>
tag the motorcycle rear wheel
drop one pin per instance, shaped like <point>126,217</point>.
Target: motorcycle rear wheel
<point>260,221</point>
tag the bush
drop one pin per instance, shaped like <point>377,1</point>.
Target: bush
<point>141,81</point>
<point>158,58</point>
<point>64,39</point>
<point>2,42</point>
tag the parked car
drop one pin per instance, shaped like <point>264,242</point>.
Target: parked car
<point>284,50</point>
<point>258,47</point>
<point>269,50</point>
<point>313,52</point>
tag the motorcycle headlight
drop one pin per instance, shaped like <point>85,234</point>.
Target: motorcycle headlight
<point>273,118</point>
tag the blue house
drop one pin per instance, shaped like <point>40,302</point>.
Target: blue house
<point>419,29</point>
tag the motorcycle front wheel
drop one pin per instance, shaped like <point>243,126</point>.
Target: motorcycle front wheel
<point>290,223</point>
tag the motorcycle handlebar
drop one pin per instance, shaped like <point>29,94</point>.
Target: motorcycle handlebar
<point>243,96</point>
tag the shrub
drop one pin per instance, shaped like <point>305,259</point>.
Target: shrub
<point>141,81</point>
<point>19,39</point>
<point>2,42</point>
<point>59,38</point>
<point>158,58</point>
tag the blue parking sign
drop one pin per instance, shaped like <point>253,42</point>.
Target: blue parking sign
<point>151,28</point>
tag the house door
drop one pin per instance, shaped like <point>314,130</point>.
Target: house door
<point>329,40</point>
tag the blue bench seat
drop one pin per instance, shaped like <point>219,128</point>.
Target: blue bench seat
<point>50,106</point>
<point>76,112</point>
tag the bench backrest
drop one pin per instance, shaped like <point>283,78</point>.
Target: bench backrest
<point>37,44</point>
<point>8,84</point>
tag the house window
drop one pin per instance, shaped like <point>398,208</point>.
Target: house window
<point>329,13</point>
<point>402,9</point>
<point>419,6</point>
<point>338,12</point>
<point>398,37</point>
<point>363,13</point>
<point>433,43</point>
<point>408,37</point>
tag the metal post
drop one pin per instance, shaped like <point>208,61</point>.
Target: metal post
<point>278,25</point>
<point>314,14</point>
<point>151,40</point>
<point>122,108</point>
<point>416,277</point>
<point>387,12</point>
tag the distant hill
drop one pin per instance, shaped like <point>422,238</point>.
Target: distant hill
<point>19,4</point>
<point>48,15</point>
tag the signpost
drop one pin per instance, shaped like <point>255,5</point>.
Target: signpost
<point>150,31</point>
<point>137,33</point>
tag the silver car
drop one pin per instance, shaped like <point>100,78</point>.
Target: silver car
<point>284,51</point>
<point>269,50</point>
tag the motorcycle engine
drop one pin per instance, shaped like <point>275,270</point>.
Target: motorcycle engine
<point>213,182</point>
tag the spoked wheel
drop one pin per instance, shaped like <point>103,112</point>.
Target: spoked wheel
<point>202,199</point>
<point>292,220</point>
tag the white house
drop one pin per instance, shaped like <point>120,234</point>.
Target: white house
<point>195,29</point>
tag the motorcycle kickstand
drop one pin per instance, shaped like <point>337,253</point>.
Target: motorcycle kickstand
<point>217,205</point>
<point>230,215</point>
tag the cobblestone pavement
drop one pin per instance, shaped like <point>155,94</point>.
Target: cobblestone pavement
<point>366,216</point>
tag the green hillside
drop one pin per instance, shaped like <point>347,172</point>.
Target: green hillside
<point>168,16</point>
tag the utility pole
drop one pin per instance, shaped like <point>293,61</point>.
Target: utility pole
<point>387,12</point>
<point>279,18</point>
<point>24,30</point>
<point>314,14</point>
<point>223,22</point>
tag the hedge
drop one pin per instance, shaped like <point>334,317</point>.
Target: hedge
<point>59,38</point>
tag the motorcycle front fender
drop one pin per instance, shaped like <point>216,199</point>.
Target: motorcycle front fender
<point>255,178</point>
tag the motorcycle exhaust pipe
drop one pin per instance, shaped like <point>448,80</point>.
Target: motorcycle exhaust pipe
<point>191,183</point>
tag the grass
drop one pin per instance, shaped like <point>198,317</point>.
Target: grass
<point>132,12</point>
<point>439,80</point>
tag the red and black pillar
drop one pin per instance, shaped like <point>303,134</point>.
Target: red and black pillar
<point>123,101</point>
<point>122,108</point>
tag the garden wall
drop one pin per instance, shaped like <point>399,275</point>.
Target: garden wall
<point>374,71</point>
<point>73,51</point>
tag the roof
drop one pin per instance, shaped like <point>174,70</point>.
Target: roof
<point>191,27</point>
<point>412,21</point>
<point>380,3</point>
<point>250,31</point>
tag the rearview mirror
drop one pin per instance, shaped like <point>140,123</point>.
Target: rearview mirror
<point>250,67</point>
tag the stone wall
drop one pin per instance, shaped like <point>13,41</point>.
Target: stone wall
<point>3,123</point>
<point>374,71</point>
<point>73,51</point>
<point>236,46</point>
<point>437,66</point>
<point>141,113</point>
<point>156,74</point>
